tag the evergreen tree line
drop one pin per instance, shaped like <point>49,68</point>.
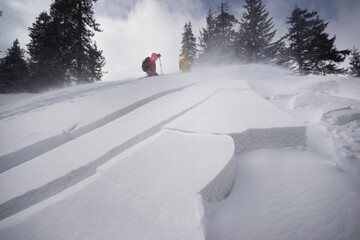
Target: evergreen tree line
<point>61,50</point>
<point>306,48</point>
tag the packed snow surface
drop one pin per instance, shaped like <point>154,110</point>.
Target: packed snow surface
<point>233,152</point>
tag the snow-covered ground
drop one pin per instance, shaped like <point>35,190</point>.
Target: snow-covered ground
<point>234,152</point>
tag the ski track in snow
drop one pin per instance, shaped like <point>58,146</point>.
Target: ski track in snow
<point>57,185</point>
<point>29,152</point>
<point>63,95</point>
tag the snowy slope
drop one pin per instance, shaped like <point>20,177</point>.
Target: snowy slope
<point>222,153</point>
<point>287,194</point>
<point>71,113</point>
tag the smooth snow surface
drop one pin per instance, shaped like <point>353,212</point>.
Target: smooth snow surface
<point>218,115</point>
<point>232,152</point>
<point>287,194</point>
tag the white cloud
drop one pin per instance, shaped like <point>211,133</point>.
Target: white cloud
<point>115,9</point>
<point>18,16</point>
<point>346,24</point>
<point>149,26</point>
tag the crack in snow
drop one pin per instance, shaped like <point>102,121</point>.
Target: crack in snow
<point>27,153</point>
<point>35,196</point>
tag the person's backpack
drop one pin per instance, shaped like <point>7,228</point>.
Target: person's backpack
<point>145,64</point>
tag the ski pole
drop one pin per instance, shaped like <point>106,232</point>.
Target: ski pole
<point>160,65</point>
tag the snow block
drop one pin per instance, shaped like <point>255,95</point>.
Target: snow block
<point>252,121</point>
<point>341,116</point>
<point>221,185</point>
<point>78,159</point>
<point>150,191</point>
<point>253,139</point>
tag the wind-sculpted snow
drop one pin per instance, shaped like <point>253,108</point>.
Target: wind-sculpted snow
<point>328,104</point>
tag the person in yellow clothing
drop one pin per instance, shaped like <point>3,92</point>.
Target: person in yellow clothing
<point>185,63</point>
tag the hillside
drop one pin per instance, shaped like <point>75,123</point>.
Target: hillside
<point>234,152</point>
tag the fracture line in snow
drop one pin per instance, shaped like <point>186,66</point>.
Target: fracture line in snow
<point>192,132</point>
<point>27,153</point>
<point>338,109</point>
<point>50,189</point>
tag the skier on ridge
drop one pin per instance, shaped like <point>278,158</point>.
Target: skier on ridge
<point>185,63</point>
<point>149,65</point>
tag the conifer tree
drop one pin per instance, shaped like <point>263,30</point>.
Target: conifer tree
<point>74,21</point>
<point>45,53</point>
<point>96,63</point>
<point>188,43</point>
<point>310,47</point>
<point>224,33</point>
<point>206,38</point>
<point>299,37</point>
<point>355,63</point>
<point>61,46</point>
<point>254,39</point>
<point>280,53</point>
<point>216,40</point>
<point>85,25</point>
<point>61,13</point>
<point>13,70</point>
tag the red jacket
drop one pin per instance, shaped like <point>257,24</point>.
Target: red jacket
<point>152,66</point>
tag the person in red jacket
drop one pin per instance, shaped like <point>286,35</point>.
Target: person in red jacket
<point>152,65</point>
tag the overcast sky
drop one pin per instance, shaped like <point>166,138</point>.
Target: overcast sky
<point>133,29</point>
